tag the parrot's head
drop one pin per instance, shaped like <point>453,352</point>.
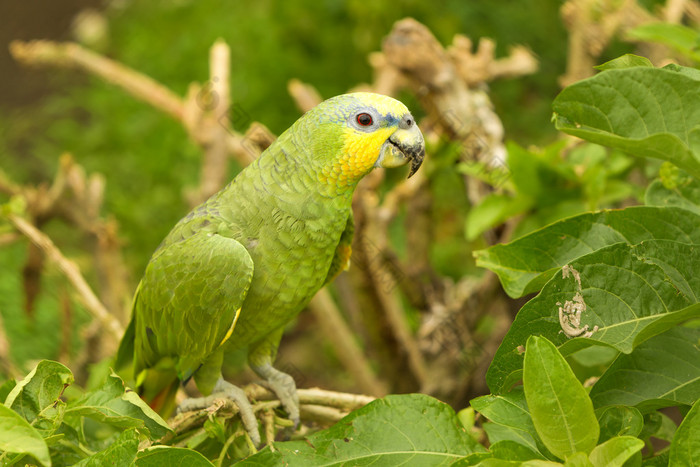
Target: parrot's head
<point>353,133</point>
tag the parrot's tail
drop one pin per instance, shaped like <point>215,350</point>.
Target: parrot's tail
<point>158,389</point>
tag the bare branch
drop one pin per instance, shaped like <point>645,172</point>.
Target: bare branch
<point>73,55</point>
<point>72,273</point>
<point>305,95</point>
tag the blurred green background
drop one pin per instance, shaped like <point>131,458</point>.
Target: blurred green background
<point>147,158</point>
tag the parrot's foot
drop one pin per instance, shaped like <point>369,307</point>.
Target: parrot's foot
<point>284,387</point>
<point>224,389</point>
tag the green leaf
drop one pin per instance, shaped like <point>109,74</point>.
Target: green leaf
<point>527,263</point>
<point>510,419</point>
<point>159,456</point>
<point>663,371</point>
<point>18,436</point>
<point>40,389</point>
<point>395,430</point>
<point>615,451</point>
<point>619,420</point>
<point>680,38</point>
<point>121,452</point>
<point>560,408</point>
<point>685,448</point>
<point>629,292</point>
<point>647,112</point>
<point>113,405</point>
<point>625,61</point>
<point>684,195</point>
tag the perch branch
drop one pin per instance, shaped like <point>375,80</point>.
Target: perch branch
<point>315,404</point>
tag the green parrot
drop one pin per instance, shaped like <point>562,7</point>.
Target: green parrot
<point>241,265</point>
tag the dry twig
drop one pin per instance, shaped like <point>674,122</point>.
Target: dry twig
<point>72,273</point>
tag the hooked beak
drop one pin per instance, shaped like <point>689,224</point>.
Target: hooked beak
<point>403,146</point>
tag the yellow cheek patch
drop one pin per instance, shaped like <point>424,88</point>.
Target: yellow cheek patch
<point>358,156</point>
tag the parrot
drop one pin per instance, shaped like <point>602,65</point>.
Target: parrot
<point>240,266</point>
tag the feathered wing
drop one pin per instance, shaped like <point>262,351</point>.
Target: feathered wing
<point>185,308</point>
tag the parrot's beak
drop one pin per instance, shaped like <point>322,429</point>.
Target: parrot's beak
<point>403,146</point>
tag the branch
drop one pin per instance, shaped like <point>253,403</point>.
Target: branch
<point>315,404</point>
<point>73,55</point>
<point>208,121</point>
<point>137,84</point>
<point>72,273</point>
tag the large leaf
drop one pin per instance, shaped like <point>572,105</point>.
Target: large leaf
<point>527,263</point>
<point>114,405</point>
<point>685,448</point>
<point>40,389</point>
<point>649,112</point>
<point>411,429</point>
<point>630,292</point>
<point>37,396</point>
<point>18,436</point>
<point>121,452</point>
<point>559,405</point>
<point>663,371</point>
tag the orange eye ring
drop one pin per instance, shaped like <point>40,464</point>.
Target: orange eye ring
<point>364,119</point>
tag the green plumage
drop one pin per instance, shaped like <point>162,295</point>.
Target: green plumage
<point>264,245</point>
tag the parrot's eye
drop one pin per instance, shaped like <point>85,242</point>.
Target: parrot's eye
<point>364,119</point>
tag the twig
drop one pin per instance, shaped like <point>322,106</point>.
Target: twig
<point>72,273</point>
<point>137,84</point>
<point>318,404</point>
<point>211,123</point>
<point>305,95</point>
<point>321,414</point>
<point>69,54</point>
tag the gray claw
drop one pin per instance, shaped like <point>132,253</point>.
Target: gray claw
<point>285,389</point>
<point>234,393</point>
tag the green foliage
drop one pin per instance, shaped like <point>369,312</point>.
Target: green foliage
<point>36,421</point>
<point>649,112</point>
<point>398,429</point>
<point>685,448</point>
<point>625,279</point>
<point>547,185</point>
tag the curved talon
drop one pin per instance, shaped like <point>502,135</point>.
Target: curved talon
<point>224,389</point>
